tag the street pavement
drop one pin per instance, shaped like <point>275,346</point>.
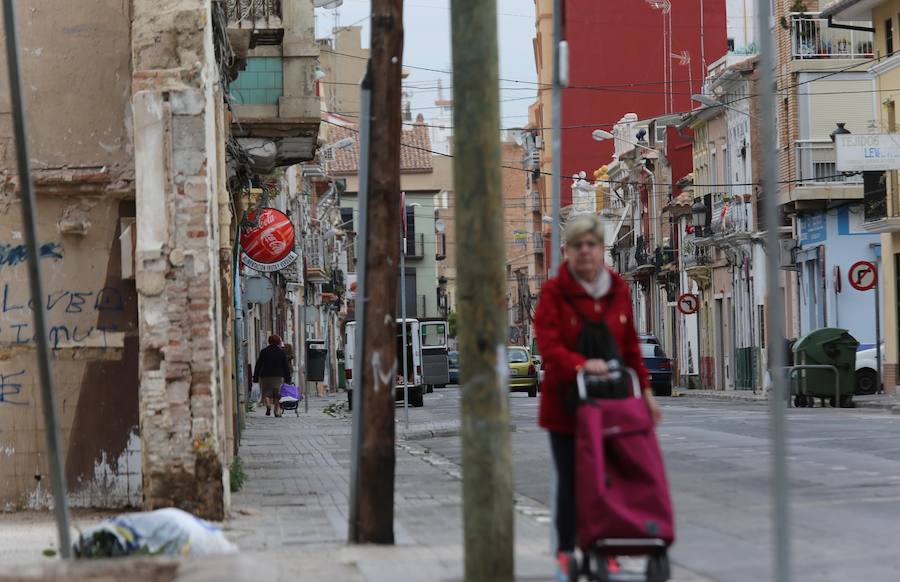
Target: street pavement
<point>290,519</point>
<point>844,475</point>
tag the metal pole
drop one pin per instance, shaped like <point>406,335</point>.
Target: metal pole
<point>780,507</point>
<point>29,222</point>
<point>556,178</point>
<point>403,325</point>
<point>877,325</point>
<point>362,241</point>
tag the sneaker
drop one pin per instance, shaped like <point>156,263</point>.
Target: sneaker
<point>566,567</point>
<point>268,412</point>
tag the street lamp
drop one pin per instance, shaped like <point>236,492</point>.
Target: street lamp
<point>603,135</point>
<point>698,213</point>
<point>709,101</point>
<point>841,130</point>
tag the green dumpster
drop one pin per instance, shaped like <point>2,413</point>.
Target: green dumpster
<point>828,346</point>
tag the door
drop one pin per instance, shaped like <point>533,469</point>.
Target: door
<point>720,345</point>
<point>435,364</point>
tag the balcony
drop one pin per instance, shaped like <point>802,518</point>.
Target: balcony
<point>253,23</point>
<point>817,164</point>
<point>811,38</point>
<point>273,96</point>
<point>538,243</point>
<point>731,215</point>
<point>415,247</point>
<point>535,201</point>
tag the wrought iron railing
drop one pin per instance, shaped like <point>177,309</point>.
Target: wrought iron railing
<point>812,38</point>
<point>252,12</point>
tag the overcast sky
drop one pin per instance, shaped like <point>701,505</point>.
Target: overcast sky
<point>427,44</point>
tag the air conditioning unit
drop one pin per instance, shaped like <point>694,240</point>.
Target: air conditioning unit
<point>788,253</point>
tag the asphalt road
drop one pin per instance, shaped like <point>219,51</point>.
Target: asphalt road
<point>844,474</point>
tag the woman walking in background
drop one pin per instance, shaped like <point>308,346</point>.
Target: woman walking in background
<point>272,369</point>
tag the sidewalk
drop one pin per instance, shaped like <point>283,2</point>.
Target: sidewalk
<point>292,511</point>
<point>290,519</point>
<point>885,402</point>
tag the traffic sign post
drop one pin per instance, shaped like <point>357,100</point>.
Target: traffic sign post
<point>863,276</point>
<point>688,304</point>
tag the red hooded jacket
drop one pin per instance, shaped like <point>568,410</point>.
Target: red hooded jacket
<point>561,312</point>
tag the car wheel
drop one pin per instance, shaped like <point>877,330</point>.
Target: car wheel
<point>430,389</point>
<point>866,382</point>
<point>532,391</point>
<point>416,399</point>
<point>663,391</point>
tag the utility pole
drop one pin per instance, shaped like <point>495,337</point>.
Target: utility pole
<point>556,166</point>
<point>775,327</point>
<point>374,493</point>
<point>487,471</point>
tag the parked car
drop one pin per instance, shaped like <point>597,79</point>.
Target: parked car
<point>866,365</point>
<point>523,375</point>
<point>660,368</point>
<point>453,359</point>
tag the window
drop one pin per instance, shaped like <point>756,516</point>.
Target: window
<point>652,351</point>
<point>889,36</point>
<point>517,356</point>
<point>434,335</point>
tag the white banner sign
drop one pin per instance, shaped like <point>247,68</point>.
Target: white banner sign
<point>269,267</point>
<point>867,152</point>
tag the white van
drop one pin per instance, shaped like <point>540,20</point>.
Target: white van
<point>414,362</point>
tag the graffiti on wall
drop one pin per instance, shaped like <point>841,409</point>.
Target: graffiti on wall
<point>11,388</point>
<point>12,255</point>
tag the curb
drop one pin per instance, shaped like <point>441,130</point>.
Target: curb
<point>721,395</point>
<point>421,435</point>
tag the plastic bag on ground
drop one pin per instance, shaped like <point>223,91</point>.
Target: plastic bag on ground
<point>166,532</point>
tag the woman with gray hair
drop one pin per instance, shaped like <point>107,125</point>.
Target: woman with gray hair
<point>584,319</point>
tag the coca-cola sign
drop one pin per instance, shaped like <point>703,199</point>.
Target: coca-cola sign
<point>268,245</point>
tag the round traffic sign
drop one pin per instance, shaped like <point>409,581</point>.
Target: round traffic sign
<point>863,275</point>
<point>688,303</point>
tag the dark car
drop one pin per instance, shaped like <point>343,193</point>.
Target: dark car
<point>453,359</point>
<point>648,339</point>
<point>660,368</point>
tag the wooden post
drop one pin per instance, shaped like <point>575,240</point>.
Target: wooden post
<point>487,471</point>
<point>379,354</point>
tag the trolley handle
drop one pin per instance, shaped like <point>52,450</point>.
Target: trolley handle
<point>615,372</point>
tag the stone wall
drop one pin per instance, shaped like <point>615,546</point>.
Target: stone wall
<point>177,158</point>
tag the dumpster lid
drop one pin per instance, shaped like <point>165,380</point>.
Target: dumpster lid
<point>824,335</point>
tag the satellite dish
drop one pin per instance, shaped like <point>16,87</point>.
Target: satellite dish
<point>440,226</point>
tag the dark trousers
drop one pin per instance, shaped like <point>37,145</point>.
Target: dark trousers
<point>563,447</point>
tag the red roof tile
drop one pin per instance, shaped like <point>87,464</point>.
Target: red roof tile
<point>415,149</point>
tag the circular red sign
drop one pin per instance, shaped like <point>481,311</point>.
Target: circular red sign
<point>688,304</point>
<point>271,240</point>
<point>863,275</point>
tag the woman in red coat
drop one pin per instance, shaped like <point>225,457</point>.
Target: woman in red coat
<point>584,291</point>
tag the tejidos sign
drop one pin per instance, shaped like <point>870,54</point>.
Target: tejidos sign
<point>269,245</point>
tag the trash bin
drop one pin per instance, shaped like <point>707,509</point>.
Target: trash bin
<point>342,373</point>
<point>316,355</point>
<point>826,346</point>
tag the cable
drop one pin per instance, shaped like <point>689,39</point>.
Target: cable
<point>619,182</point>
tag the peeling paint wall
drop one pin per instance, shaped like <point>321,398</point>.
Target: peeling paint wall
<point>92,330</point>
<point>77,77</point>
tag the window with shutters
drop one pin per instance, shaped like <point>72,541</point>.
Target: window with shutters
<point>889,36</point>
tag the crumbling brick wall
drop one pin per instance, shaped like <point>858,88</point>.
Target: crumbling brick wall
<point>177,157</point>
